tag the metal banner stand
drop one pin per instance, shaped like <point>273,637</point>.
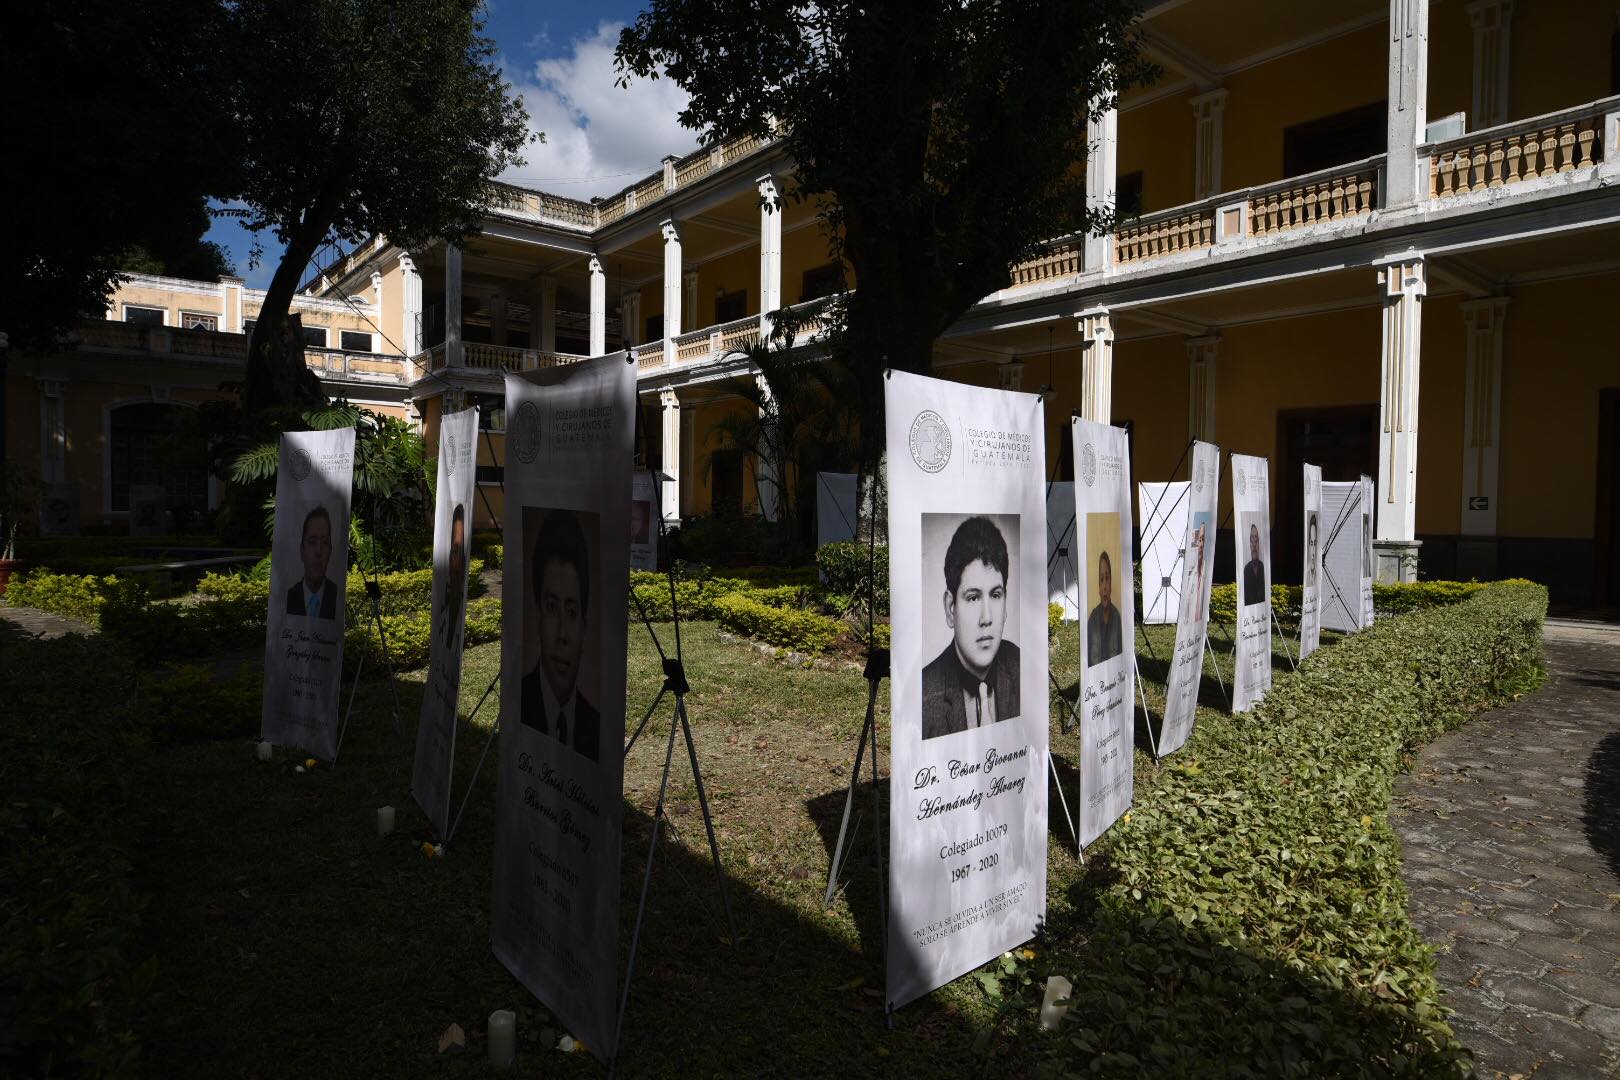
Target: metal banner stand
<point>1275,625</point>
<point>374,592</point>
<point>877,669</point>
<point>675,683</point>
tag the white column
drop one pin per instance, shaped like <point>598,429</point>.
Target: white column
<point>231,323</point>
<point>767,480</point>
<point>410,322</point>
<point>770,254</point>
<point>452,305</point>
<point>1408,95</point>
<point>1102,154</point>
<point>1493,33</point>
<point>669,456</point>
<point>497,319</point>
<point>1097,366</point>
<point>1482,413</point>
<point>672,289</point>
<point>1202,353</point>
<point>630,317</point>
<point>598,344</point>
<point>1209,111</point>
<point>543,314</point>
<point>1402,287</point>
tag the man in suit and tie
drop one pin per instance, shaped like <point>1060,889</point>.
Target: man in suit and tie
<point>560,576</point>
<point>1104,640</point>
<point>455,582</point>
<point>974,682</point>
<point>1254,571</point>
<point>314,595</point>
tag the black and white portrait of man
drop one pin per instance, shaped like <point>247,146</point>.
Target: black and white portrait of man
<point>973,682</point>
<point>554,702</point>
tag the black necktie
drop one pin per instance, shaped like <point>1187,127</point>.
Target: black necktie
<point>562,727</point>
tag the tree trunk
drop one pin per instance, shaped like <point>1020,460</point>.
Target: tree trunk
<point>277,376</point>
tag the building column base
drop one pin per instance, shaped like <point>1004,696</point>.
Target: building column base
<point>1395,562</point>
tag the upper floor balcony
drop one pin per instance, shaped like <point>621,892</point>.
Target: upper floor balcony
<point>230,351</point>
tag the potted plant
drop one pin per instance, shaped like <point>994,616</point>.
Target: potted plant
<point>19,501</point>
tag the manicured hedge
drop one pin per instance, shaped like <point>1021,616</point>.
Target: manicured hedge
<point>784,627</point>
<point>846,566</point>
<point>70,595</point>
<point>192,703</point>
<point>1249,918</point>
<point>1387,599</point>
<point>410,636</point>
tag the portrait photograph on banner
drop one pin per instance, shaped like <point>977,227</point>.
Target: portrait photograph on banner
<point>309,562</point>
<point>1106,708</point>
<point>1192,617</point>
<point>1310,596</point>
<point>1368,563</point>
<point>643,521</point>
<point>431,774</point>
<point>968,686</point>
<point>559,796</point>
<point>1251,494</point>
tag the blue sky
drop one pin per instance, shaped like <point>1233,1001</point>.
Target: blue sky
<point>559,58</point>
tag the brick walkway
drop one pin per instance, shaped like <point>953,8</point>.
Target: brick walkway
<point>1511,834</point>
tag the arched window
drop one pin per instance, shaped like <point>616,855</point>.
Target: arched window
<point>146,450</point>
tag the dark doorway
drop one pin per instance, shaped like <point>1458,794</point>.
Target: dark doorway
<point>1343,442</point>
<point>1335,140</point>
<point>726,483</point>
<point>1606,577</point>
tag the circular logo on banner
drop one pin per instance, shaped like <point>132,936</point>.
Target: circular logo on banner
<point>930,441</point>
<point>1088,464</point>
<point>524,435</point>
<point>301,465</point>
<point>449,454</point>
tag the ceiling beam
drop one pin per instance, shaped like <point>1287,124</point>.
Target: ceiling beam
<point>1171,54</point>
<point>1170,324</point>
<point>1465,274</point>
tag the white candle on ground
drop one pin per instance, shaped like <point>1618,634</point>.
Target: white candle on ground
<point>385,820</point>
<point>262,750</point>
<point>502,1037</point>
<point>1056,987</point>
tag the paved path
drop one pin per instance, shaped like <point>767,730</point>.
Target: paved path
<point>1511,834</point>
<point>17,622</point>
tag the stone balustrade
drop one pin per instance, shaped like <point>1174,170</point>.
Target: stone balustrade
<point>1058,260</point>
<point>1171,232</point>
<point>1302,201</point>
<point>1520,151</point>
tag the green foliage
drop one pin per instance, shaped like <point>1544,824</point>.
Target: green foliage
<point>1250,918</point>
<point>1054,622</point>
<point>1396,599</point>
<point>731,540</point>
<point>72,595</point>
<point>787,628</point>
<point>410,636</point>
<point>846,567</point>
<point>72,974</point>
<point>193,703</point>
<point>486,545</point>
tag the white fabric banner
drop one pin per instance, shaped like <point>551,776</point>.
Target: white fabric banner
<point>968,694</point>
<point>434,767</point>
<point>1163,516</point>
<point>1366,550</point>
<point>559,800</point>
<point>1310,596</point>
<point>1341,555</point>
<point>1251,542</point>
<point>1062,588</point>
<point>309,566</point>
<point>1192,620</point>
<point>837,505</point>
<point>1102,546</point>
<point>643,521</point>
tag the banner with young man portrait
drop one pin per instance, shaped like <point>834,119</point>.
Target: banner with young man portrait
<point>559,797</point>
<point>968,690</point>
<point>1102,547</point>
<point>452,540</point>
<point>1251,536</point>
<point>309,563</point>
<point>1192,618</point>
<point>1310,596</point>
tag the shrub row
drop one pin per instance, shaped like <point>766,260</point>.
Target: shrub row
<point>1387,599</point>
<point>784,627</point>
<point>410,636</point>
<point>1249,917</point>
<point>846,566</point>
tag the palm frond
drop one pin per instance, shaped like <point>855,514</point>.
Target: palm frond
<point>257,463</point>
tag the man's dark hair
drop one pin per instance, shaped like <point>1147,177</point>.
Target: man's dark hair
<point>976,540</point>
<point>459,514</point>
<point>318,512</point>
<point>1102,557</point>
<point>560,538</point>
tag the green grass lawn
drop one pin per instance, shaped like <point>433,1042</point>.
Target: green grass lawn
<point>291,940</point>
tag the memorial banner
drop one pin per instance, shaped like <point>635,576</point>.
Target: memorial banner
<point>309,569</point>
<point>968,690</point>
<point>1163,529</point>
<point>1102,529</point>
<point>1251,541</point>
<point>1342,548</point>
<point>559,797</point>
<point>1062,585</point>
<point>1192,620</point>
<point>452,538</point>
<point>643,521</point>
<point>1367,556</point>
<point>1310,597</point>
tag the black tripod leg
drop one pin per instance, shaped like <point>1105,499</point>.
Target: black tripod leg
<point>836,867</point>
<point>708,820</point>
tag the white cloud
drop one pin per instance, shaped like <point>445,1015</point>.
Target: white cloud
<point>595,129</point>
